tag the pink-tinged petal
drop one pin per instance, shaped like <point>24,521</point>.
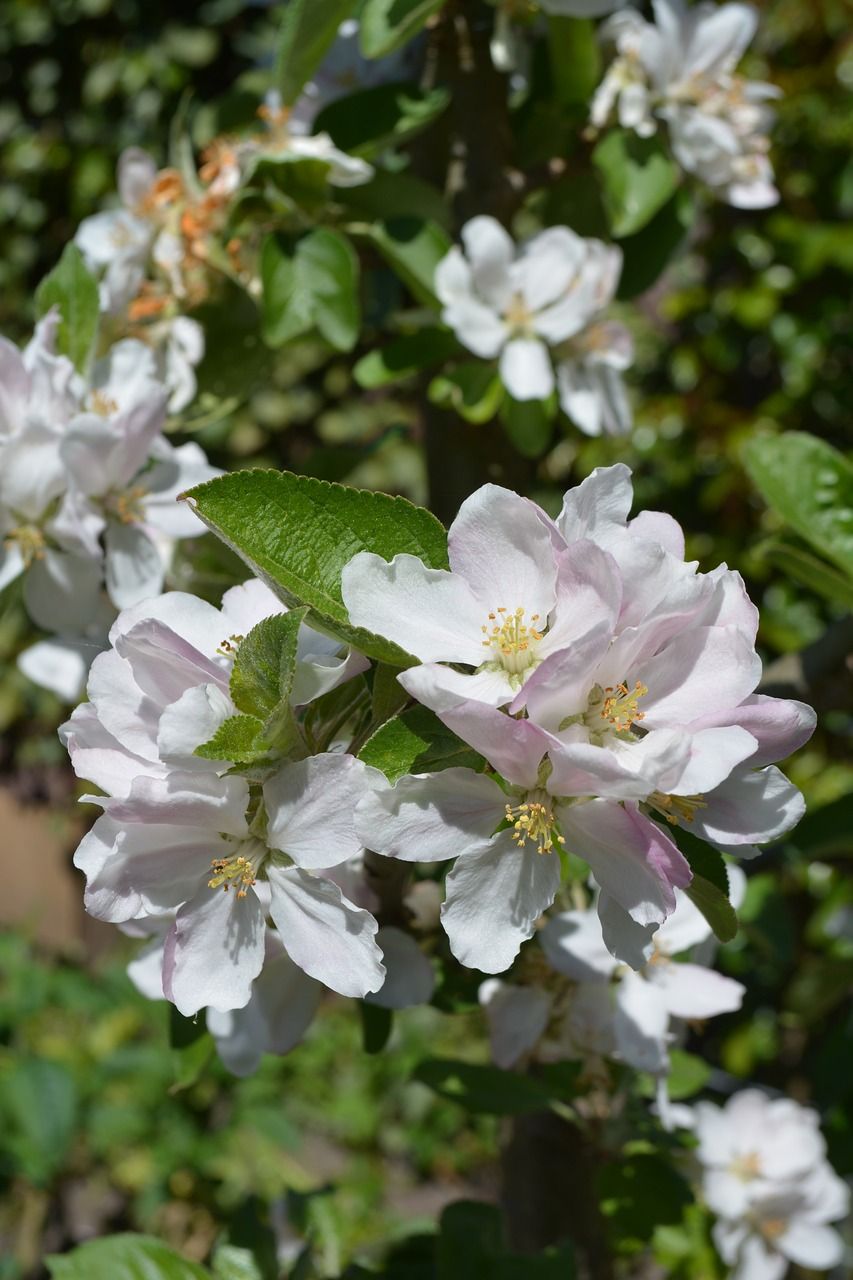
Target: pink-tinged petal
<point>573,945</point>
<point>498,544</point>
<point>714,754</point>
<point>311,808</point>
<point>560,686</point>
<point>598,503</point>
<point>514,747</point>
<point>428,612</point>
<point>108,896</point>
<point>158,866</point>
<point>517,1018</point>
<point>183,799</point>
<point>439,687</point>
<point>708,668</point>
<point>630,857</point>
<point>754,806</point>
<point>283,1004</point>
<point>123,709</point>
<point>214,951</point>
<point>627,771</point>
<point>625,939</point>
<point>729,604</point>
<point>641,1023</point>
<point>99,757</point>
<point>780,725</point>
<point>409,975</point>
<point>196,622</point>
<point>658,527</point>
<point>493,900</point>
<point>164,665</point>
<point>525,369</point>
<point>192,721</point>
<point>589,597</point>
<point>324,933</point>
<point>431,817</point>
<point>811,1245</point>
<point>692,991</point>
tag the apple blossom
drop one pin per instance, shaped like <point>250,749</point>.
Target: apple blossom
<point>681,70</point>
<point>539,309</point>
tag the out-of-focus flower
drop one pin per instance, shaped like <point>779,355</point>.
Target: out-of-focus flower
<point>540,310</point>
<point>681,70</point>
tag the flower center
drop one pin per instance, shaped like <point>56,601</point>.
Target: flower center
<point>228,648</point>
<point>534,820</point>
<point>101,404</point>
<point>127,505</point>
<point>30,542</point>
<point>746,1167</point>
<point>518,315</point>
<point>676,809</point>
<point>240,871</point>
<point>772,1228</point>
<point>511,641</point>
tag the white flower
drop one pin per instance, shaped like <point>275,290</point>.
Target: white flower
<point>538,305</point>
<point>681,70</point>
<point>116,243</point>
<point>281,142</point>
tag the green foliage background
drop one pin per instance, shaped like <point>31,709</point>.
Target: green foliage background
<point>104,1127</point>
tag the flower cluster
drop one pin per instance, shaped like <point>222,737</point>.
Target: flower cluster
<point>680,69</point>
<point>609,685</point>
<point>577,1001</point>
<point>88,484</point>
<point>540,310</point>
<point>765,1174</point>
<point>157,254</point>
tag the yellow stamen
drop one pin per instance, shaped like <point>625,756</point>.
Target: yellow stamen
<point>127,506</point>
<point>102,404</point>
<point>237,873</point>
<point>676,809</point>
<point>229,647</point>
<point>534,820</point>
<point>29,540</point>
<point>510,639</point>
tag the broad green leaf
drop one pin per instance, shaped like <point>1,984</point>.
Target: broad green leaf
<point>297,533</point>
<point>473,390</point>
<point>638,1192</point>
<point>415,741</point>
<point>237,739</point>
<point>395,197</point>
<point>405,356</point>
<point>809,571</point>
<point>825,831</point>
<point>314,284</point>
<point>688,1074</point>
<point>372,119</point>
<point>308,30</point>
<point>71,288</point>
<point>647,253</point>
<point>810,485</point>
<point>39,1098</point>
<point>230,1262</point>
<point>124,1257</point>
<point>387,24</point>
<point>483,1089</point>
<point>575,55</point>
<point>413,247</point>
<point>638,178</point>
<point>329,268</point>
<point>192,1047</point>
<point>709,888</point>
<point>264,664</point>
<point>471,1246</point>
<point>388,696</point>
<point>529,425</point>
<point>287,312</point>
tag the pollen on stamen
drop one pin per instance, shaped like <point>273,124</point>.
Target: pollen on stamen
<point>534,821</point>
<point>237,873</point>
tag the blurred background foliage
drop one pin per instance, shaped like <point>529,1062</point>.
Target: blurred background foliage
<point>103,1127</point>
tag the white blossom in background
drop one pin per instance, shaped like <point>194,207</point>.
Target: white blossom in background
<point>184,835</point>
<point>88,494</point>
<point>283,142</point>
<point>680,70</point>
<point>540,310</point>
<point>765,1175</point>
<point>610,685</point>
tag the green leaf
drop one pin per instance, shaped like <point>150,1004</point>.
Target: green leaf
<point>237,739</point>
<point>809,571</point>
<point>575,55</point>
<point>314,286</point>
<point>482,1089</point>
<point>688,1074</point>
<point>529,425</point>
<point>379,117</point>
<point>39,1098</point>
<point>647,253</point>
<point>810,485</point>
<point>473,390</point>
<point>192,1047</point>
<point>297,533</point>
<point>471,1246</point>
<point>825,831</point>
<point>413,247</point>
<point>387,24</point>
<point>709,888</point>
<point>395,197</point>
<point>389,696</point>
<point>405,356</point>
<point>265,663</point>
<point>124,1257</point>
<point>638,178</point>
<point>376,1025</point>
<point>233,1263</point>
<point>70,287</point>
<point>417,742</point>
<point>308,30</point>
<point>638,1192</point>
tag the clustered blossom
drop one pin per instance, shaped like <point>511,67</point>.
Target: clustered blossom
<point>540,310</point>
<point>680,70</point>
<point>88,483</point>
<point>610,687</point>
<point>157,254</point>
<point>765,1175</point>
<point>575,1001</point>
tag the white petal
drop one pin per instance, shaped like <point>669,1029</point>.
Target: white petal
<point>134,567</point>
<point>58,665</point>
<point>409,977</point>
<point>752,806</point>
<point>190,721</point>
<point>691,991</point>
<point>574,946</point>
<point>702,670</point>
<point>500,546</point>
<point>311,807</point>
<point>490,250</point>
<point>428,612</point>
<point>62,592</point>
<point>493,901</point>
<point>439,687</point>
<point>641,1023</point>
<point>517,1018</point>
<point>431,817</point>
<point>324,933</point>
<point>282,1006</point>
<point>214,951</point>
<point>623,937</point>
<point>599,503</point>
<point>525,369</point>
